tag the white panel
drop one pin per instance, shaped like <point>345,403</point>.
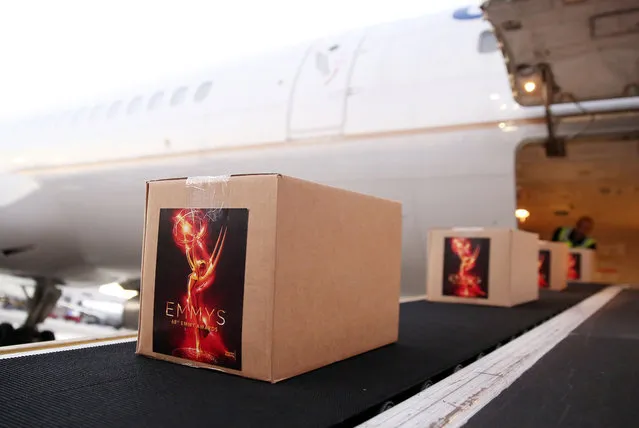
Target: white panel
<point>322,85</point>
<point>428,72</point>
<point>384,79</point>
<point>250,102</point>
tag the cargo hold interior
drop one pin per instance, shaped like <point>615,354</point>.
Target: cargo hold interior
<point>599,177</point>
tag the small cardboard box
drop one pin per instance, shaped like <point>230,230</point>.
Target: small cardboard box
<point>581,265</point>
<point>553,265</point>
<point>266,276</point>
<point>496,267</point>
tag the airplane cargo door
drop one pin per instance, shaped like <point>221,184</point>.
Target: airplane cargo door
<point>319,99</point>
<point>584,50</point>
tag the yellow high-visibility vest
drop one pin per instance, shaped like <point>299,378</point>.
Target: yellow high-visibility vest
<point>564,236</point>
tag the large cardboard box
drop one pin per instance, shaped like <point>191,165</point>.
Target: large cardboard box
<point>581,265</point>
<point>553,265</point>
<point>493,266</point>
<point>266,276</point>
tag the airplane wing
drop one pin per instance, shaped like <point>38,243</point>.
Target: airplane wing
<point>15,187</point>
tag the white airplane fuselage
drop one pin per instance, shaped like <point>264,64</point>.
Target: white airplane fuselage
<point>410,111</point>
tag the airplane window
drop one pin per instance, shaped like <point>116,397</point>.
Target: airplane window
<point>202,92</point>
<point>321,63</point>
<point>134,105</point>
<point>487,42</point>
<point>178,96</point>
<point>96,112</point>
<point>113,110</point>
<point>155,100</point>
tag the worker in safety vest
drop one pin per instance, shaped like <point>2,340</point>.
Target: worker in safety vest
<point>577,237</point>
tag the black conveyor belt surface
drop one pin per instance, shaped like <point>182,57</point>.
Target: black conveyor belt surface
<point>590,379</point>
<point>110,386</point>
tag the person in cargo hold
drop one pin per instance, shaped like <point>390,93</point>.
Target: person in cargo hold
<point>577,237</point>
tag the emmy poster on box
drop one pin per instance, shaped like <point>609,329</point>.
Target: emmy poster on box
<point>574,266</point>
<point>466,263</point>
<point>544,268</point>
<point>199,285</point>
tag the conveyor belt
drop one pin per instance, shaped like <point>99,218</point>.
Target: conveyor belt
<point>590,379</point>
<point>110,386</point>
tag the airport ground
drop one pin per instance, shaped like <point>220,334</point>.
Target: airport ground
<point>63,329</point>
<point>571,353</point>
<point>78,314</point>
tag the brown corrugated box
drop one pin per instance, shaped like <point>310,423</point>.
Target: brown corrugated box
<point>553,265</point>
<point>307,274</point>
<point>581,265</point>
<point>499,268</point>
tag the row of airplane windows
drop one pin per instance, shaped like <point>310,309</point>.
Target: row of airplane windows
<point>137,104</point>
<point>487,44</point>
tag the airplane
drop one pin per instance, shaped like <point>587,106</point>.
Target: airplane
<point>428,111</point>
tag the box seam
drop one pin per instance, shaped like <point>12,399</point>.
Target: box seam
<point>429,244</point>
<point>271,336</point>
<point>511,240</point>
<point>146,209</point>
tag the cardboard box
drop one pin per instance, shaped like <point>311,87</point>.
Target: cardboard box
<point>553,265</point>
<point>267,276</point>
<point>496,267</point>
<point>581,265</point>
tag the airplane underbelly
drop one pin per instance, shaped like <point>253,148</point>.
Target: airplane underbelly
<point>32,237</point>
<point>438,183</point>
<point>442,180</point>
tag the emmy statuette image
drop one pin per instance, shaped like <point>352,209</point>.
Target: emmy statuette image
<point>466,262</point>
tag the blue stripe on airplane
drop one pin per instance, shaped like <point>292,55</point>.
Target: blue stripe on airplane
<point>465,13</point>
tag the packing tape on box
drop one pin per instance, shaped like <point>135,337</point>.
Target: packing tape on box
<point>208,191</point>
